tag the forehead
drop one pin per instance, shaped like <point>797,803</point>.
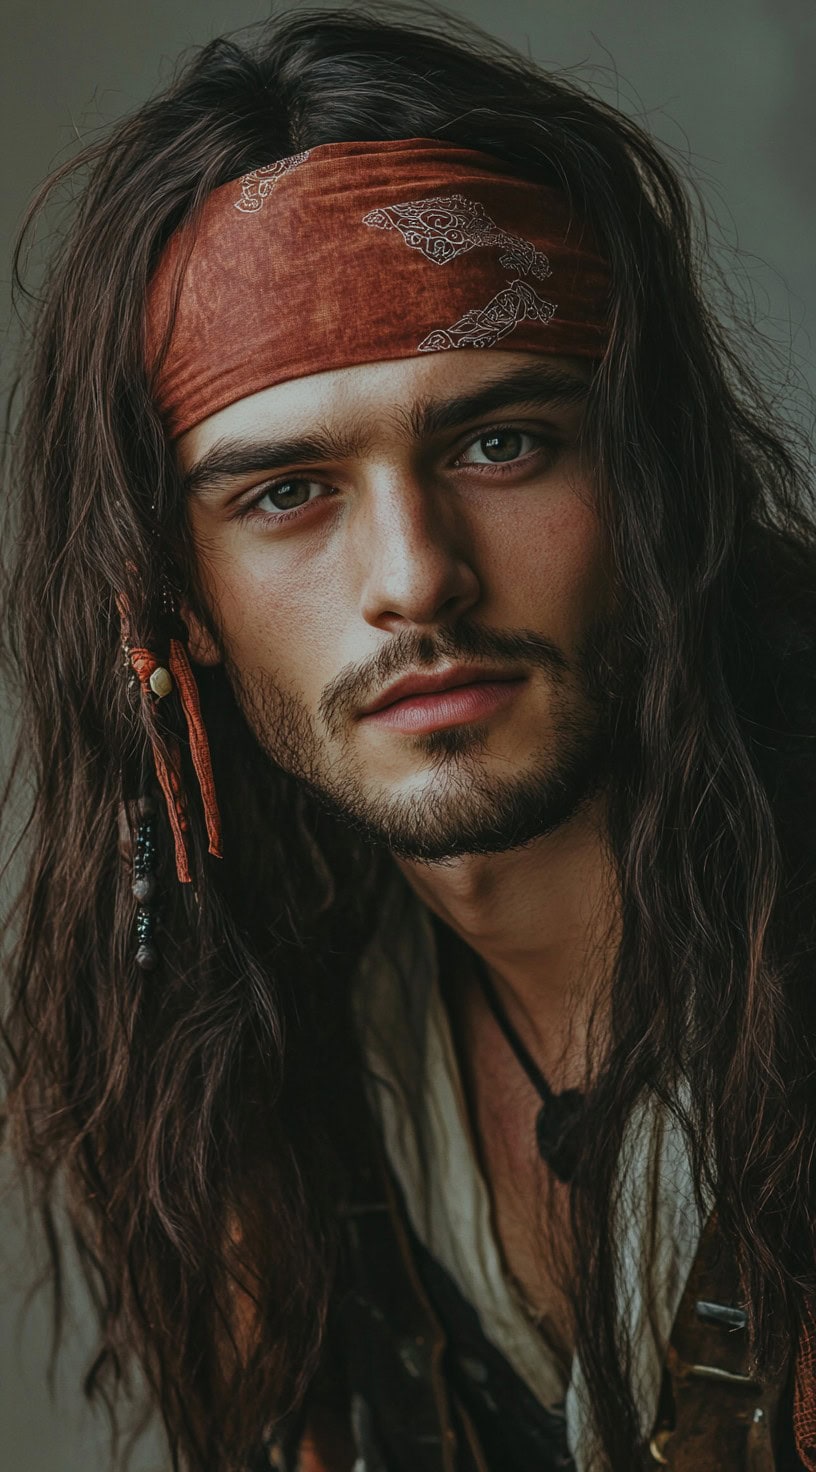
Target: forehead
<point>393,396</point>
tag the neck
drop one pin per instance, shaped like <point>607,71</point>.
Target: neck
<point>544,920</point>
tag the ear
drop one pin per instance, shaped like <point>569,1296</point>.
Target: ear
<point>200,642</point>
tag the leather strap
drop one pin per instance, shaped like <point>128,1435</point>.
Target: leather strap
<point>715,1413</point>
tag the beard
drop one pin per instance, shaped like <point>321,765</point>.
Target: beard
<point>464,807</point>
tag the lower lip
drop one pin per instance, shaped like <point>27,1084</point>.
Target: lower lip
<point>439,708</point>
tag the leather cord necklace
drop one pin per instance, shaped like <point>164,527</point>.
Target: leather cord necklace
<point>559,1117</point>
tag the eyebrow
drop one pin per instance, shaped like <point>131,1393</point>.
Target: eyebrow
<point>539,384</point>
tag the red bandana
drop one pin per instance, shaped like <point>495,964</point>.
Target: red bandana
<point>358,252</point>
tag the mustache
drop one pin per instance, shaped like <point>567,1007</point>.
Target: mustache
<point>409,651</point>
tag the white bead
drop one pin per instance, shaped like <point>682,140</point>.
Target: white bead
<point>161,681</point>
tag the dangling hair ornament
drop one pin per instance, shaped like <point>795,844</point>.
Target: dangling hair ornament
<point>142,857</point>
<point>158,680</point>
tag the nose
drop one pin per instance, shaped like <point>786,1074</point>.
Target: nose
<point>416,565</point>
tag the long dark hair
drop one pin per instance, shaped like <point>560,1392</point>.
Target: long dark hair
<point>187,1113</point>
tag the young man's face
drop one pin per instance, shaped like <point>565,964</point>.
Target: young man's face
<point>436,530</point>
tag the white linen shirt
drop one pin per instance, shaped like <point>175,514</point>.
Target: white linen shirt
<point>416,1091</point>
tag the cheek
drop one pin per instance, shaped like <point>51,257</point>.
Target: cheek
<point>276,619</point>
<point>548,564</point>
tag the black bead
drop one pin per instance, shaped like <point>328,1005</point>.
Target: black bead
<point>147,958</point>
<point>144,924</point>
<point>144,857</point>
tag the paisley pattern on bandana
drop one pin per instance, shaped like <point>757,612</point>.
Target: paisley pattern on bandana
<point>446,225</point>
<point>257,185</point>
<point>481,327</point>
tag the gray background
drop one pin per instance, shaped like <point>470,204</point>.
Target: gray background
<point>727,83</point>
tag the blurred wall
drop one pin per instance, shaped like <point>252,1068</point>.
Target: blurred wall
<point>727,83</point>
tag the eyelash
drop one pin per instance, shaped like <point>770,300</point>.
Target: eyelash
<point>251,508</point>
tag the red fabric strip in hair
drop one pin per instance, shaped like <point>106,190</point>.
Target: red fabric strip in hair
<point>358,252</point>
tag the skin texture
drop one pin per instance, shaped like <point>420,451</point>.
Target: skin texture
<point>412,550</point>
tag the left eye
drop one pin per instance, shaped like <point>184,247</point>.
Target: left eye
<point>501,445</point>
<point>288,495</point>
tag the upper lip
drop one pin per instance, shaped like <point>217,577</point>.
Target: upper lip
<point>449,679</point>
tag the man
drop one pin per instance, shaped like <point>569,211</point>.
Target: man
<point>428,1059</point>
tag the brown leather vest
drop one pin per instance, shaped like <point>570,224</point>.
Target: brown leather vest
<point>383,1404</point>
<point>714,1412</point>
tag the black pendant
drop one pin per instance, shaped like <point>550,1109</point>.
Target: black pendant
<point>559,1118</point>
<point>558,1132</point>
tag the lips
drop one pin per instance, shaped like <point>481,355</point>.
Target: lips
<point>430,684</point>
<point>420,704</point>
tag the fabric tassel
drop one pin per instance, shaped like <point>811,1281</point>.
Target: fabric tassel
<point>199,745</point>
<point>804,1396</point>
